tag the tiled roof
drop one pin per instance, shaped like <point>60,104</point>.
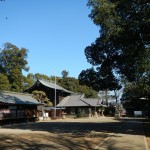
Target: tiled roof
<point>73,100</point>
<point>77,100</point>
<point>51,85</point>
<point>17,98</point>
<point>92,101</point>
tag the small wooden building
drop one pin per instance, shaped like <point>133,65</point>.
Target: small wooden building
<point>17,107</point>
<point>76,103</point>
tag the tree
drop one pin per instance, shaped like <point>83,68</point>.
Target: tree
<point>42,97</point>
<point>88,77</point>
<point>41,76</point>
<point>4,83</point>
<point>131,98</point>
<point>64,74</point>
<point>28,81</point>
<point>12,62</point>
<point>88,92</point>
<point>124,40</point>
<point>101,80</point>
<point>123,47</point>
<point>73,85</point>
<point>16,80</point>
<point>137,94</point>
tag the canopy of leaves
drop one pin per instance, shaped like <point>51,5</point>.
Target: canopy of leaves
<point>4,83</point>
<point>13,57</point>
<point>124,39</point>
<point>16,80</point>
<point>12,62</point>
<point>28,81</point>
<point>64,74</point>
<point>73,85</point>
<point>101,80</point>
<point>136,96</point>
<point>42,97</point>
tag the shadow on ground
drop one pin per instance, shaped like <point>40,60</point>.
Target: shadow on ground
<point>65,135</point>
<point>81,128</point>
<point>146,125</point>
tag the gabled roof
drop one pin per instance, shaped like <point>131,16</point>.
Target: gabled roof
<point>51,85</point>
<point>72,100</point>
<point>92,101</point>
<point>78,100</point>
<point>8,97</point>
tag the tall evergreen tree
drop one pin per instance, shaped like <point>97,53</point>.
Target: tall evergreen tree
<point>12,62</point>
<point>4,83</point>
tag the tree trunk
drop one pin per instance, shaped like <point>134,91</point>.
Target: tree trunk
<point>106,96</point>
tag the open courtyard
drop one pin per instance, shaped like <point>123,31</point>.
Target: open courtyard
<point>75,134</point>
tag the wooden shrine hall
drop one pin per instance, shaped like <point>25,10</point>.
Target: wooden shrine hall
<point>49,88</point>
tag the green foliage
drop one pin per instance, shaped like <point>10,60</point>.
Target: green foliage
<point>73,85</point>
<point>64,74</point>
<point>42,97</point>
<point>44,77</point>
<point>13,57</point>
<point>16,80</point>
<point>122,49</point>
<point>69,84</point>
<point>41,76</point>
<point>123,45</point>
<point>4,83</point>
<point>48,104</point>
<point>101,80</point>
<point>39,95</point>
<point>88,92</point>
<point>88,77</point>
<point>28,81</point>
<point>12,62</point>
<point>133,93</point>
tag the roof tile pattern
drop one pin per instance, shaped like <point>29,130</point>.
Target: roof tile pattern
<point>78,100</point>
<point>53,85</point>
<point>17,98</point>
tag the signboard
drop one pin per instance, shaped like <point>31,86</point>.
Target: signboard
<point>137,113</point>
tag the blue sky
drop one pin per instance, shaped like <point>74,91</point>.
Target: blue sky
<point>55,32</point>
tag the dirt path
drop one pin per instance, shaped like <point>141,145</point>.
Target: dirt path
<point>81,134</point>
